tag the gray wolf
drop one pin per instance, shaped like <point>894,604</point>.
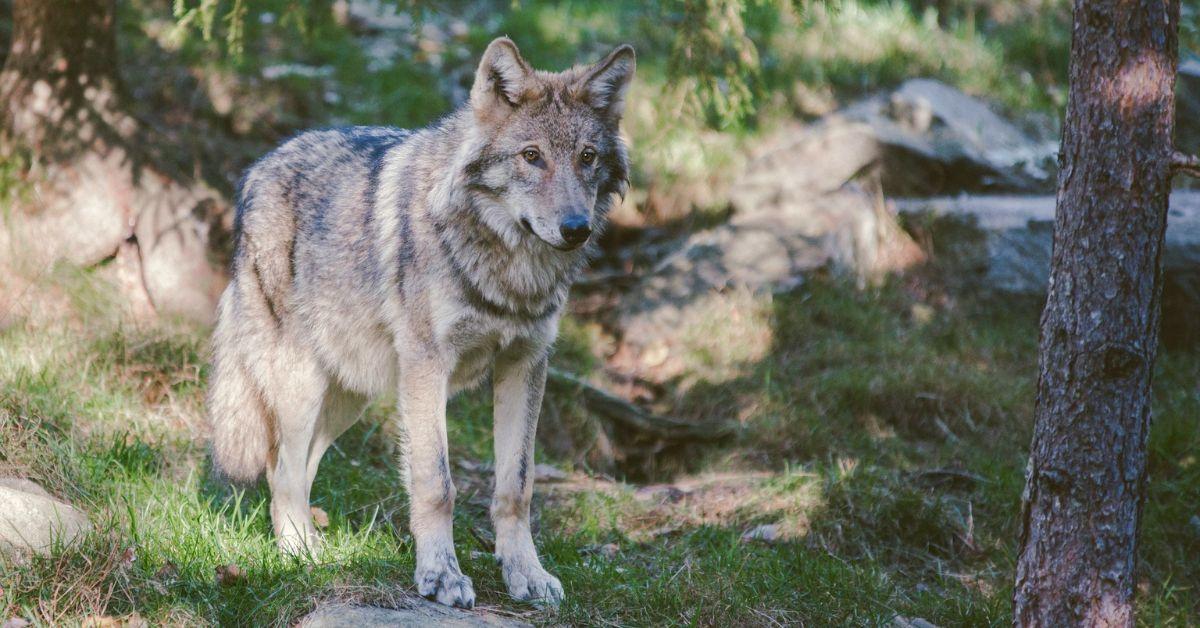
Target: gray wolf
<point>373,259</point>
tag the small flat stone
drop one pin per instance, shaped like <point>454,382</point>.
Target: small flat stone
<point>547,473</point>
<point>416,612</point>
<point>31,520</point>
<point>661,493</point>
<point>766,533</point>
<point>901,621</point>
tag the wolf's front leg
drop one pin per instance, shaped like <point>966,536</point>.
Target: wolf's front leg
<point>422,405</point>
<point>519,382</point>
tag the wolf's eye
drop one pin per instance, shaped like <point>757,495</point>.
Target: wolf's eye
<point>587,156</point>
<point>531,155</point>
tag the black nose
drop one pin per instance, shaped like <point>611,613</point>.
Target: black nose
<point>575,229</point>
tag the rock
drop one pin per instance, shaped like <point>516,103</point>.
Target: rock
<point>768,245</point>
<point>810,200</point>
<point>1003,243</point>
<point>766,533</point>
<point>933,139</point>
<point>547,473</point>
<point>416,612</point>
<point>25,485</point>
<point>899,621</point>
<point>660,493</point>
<point>31,520</point>
<point>607,550</point>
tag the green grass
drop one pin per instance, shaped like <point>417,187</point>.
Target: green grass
<point>842,451</point>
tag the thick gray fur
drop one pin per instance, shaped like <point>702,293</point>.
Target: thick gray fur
<point>376,260</point>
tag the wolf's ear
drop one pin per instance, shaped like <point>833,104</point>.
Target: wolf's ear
<point>502,78</point>
<point>605,84</point>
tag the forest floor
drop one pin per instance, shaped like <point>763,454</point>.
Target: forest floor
<point>883,447</point>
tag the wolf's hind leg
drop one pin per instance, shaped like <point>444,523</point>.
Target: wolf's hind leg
<point>517,390</point>
<point>297,398</point>
<point>422,405</point>
<point>340,409</point>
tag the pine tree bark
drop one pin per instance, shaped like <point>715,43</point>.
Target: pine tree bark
<point>1099,329</point>
<point>107,188</point>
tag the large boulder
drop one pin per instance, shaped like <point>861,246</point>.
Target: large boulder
<point>415,612</point>
<point>32,520</point>
<point>801,205</point>
<point>811,198</point>
<point>931,138</point>
<point>1006,246</point>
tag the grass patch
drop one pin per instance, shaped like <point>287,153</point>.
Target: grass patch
<point>880,512</point>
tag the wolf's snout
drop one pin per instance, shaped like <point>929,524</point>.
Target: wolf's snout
<point>575,230</point>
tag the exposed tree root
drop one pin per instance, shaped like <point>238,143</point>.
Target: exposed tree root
<point>623,414</point>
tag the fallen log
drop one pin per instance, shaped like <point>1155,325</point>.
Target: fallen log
<point>628,415</point>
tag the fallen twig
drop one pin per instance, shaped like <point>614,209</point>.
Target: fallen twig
<point>626,414</point>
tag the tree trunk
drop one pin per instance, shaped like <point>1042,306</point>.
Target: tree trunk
<point>1099,330</point>
<point>105,187</point>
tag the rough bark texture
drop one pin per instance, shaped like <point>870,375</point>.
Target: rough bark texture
<point>1099,331</point>
<point>105,188</point>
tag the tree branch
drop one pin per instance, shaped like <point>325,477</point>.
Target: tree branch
<point>627,415</point>
<point>1185,164</point>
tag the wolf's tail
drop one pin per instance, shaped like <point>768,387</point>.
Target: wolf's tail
<point>241,423</point>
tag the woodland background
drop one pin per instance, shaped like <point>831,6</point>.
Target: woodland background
<point>795,388</point>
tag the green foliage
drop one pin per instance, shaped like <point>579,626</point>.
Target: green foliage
<point>715,58</point>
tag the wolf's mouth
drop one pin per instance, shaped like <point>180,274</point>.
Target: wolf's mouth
<point>528,227</point>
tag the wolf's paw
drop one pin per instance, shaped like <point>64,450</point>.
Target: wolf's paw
<point>445,583</point>
<point>531,583</point>
<point>300,545</point>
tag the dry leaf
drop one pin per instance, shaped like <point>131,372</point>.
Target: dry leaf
<point>167,572</point>
<point>230,574</point>
<point>320,517</point>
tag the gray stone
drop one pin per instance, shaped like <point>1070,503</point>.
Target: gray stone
<point>416,612</point>
<point>549,473</point>
<point>1019,232</point>
<point>1007,245</point>
<point>901,621</point>
<point>31,520</point>
<point>764,248</point>
<point>660,493</point>
<point>798,207</point>
<point>931,138</point>
<point>766,533</point>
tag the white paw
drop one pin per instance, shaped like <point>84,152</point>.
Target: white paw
<point>531,583</point>
<point>443,582</point>
<point>299,544</point>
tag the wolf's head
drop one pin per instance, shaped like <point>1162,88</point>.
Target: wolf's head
<point>552,157</point>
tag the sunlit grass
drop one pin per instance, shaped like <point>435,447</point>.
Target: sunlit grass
<point>879,510</point>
